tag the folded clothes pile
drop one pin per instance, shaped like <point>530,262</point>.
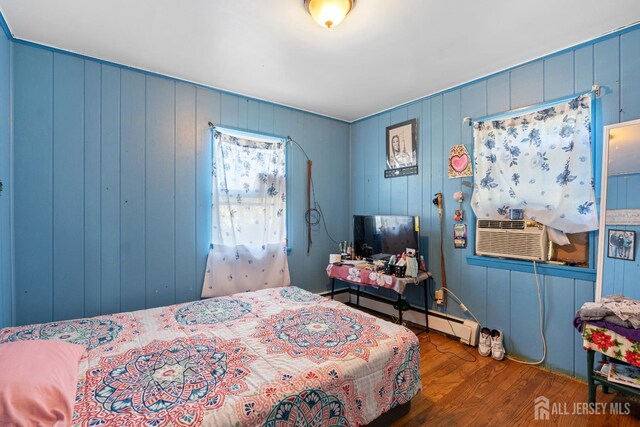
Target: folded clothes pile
<point>616,309</point>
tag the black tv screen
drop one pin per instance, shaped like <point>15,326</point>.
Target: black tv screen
<point>380,236</point>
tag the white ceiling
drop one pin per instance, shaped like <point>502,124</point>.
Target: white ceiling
<point>383,54</point>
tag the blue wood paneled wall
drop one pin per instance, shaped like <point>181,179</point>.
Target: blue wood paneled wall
<point>6,283</point>
<point>502,299</point>
<point>113,184</point>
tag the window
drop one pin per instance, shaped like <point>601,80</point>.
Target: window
<point>248,214</point>
<point>541,163</point>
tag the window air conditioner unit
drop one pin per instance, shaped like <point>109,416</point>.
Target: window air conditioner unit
<point>511,239</point>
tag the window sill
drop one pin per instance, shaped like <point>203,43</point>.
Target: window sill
<point>577,273</point>
<point>288,248</point>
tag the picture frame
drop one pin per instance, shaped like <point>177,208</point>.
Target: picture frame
<point>402,149</point>
<point>621,244</point>
<point>459,236</point>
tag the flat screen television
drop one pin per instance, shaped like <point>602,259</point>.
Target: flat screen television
<point>380,236</point>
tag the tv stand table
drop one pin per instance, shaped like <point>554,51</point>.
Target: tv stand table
<point>365,277</point>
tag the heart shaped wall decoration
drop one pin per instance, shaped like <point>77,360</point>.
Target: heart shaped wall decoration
<point>459,162</point>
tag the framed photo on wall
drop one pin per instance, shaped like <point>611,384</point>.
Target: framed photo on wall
<point>402,149</point>
<point>622,244</point>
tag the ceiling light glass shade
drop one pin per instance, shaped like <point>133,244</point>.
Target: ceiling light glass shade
<point>328,13</point>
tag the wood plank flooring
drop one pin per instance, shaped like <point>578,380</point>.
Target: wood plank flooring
<point>461,392</point>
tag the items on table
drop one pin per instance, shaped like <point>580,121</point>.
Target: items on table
<point>615,309</point>
<point>622,374</point>
<point>412,266</point>
<point>401,265</point>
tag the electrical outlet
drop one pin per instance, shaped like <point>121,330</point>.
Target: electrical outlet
<point>439,296</point>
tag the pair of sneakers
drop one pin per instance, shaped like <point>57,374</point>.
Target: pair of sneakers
<point>491,343</point>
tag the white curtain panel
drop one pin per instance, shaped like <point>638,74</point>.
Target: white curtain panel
<point>539,162</point>
<point>248,216</point>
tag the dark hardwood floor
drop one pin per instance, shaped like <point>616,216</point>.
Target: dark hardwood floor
<point>461,392</point>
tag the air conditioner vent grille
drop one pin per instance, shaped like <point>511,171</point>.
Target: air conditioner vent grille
<point>511,239</point>
<point>523,245</point>
<point>501,225</point>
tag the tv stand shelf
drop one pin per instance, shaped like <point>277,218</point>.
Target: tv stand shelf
<point>594,379</point>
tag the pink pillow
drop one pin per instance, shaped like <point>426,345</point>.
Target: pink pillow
<point>38,382</point>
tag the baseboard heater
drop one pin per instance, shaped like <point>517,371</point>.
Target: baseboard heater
<point>467,331</point>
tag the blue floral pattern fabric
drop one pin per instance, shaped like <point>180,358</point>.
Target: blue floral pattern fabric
<point>248,216</point>
<point>539,162</point>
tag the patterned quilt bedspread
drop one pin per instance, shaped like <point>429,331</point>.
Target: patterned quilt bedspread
<point>275,357</point>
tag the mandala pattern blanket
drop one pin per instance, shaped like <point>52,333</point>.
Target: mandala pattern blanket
<point>275,357</point>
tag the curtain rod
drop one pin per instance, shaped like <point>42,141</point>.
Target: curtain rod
<point>595,89</point>
<point>250,132</point>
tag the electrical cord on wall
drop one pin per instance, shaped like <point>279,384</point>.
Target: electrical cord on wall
<point>314,215</point>
<point>544,341</point>
<point>473,357</point>
<point>437,201</point>
<point>462,306</point>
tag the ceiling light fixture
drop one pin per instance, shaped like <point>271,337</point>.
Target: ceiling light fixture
<point>328,13</point>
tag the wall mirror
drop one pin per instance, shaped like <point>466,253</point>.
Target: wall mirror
<point>618,266</point>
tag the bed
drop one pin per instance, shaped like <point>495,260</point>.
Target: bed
<point>275,357</point>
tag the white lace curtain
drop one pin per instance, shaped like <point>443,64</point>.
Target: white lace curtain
<point>539,162</point>
<point>248,215</point>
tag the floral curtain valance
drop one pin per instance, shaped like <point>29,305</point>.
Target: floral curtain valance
<point>539,162</point>
<point>248,216</point>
